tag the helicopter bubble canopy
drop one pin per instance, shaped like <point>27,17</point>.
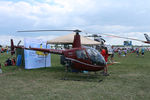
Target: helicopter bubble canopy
<point>95,57</point>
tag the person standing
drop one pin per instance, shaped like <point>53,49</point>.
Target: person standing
<point>104,53</point>
<point>137,51</point>
<point>112,55</point>
<point>119,52</point>
<point>125,51</point>
<point>0,68</point>
<point>142,51</point>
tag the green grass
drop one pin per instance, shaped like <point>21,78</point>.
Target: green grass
<point>128,80</point>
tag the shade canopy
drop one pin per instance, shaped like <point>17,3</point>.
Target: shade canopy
<point>68,39</point>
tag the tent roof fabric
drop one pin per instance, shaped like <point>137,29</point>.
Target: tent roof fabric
<point>68,39</point>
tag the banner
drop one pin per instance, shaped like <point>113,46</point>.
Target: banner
<point>36,59</point>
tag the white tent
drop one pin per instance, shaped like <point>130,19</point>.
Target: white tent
<point>68,39</point>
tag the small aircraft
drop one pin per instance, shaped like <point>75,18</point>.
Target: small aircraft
<point>78,57</point>
<point>102,41</point>
<point>146,36</point>
<point>97,38</point>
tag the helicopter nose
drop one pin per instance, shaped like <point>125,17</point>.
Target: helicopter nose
<point>103,62</point>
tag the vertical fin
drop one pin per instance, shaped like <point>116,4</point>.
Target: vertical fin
<point>147,37</point>
<point>12,47</point>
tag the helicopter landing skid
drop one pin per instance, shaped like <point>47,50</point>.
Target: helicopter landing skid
<point>89,77</point>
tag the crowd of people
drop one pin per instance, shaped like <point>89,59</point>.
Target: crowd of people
<point>9,62</point>
<point>140,51</point>
<point>124,51</point>
<point>120,52</point>
<point>4,49</point>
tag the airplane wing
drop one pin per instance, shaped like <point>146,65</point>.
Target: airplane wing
<point>115,36</point>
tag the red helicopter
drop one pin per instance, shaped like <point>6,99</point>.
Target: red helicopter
<point>78,57</point>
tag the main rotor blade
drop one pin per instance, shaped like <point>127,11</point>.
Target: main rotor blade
<point>122,37</point>
<point>49,30</point>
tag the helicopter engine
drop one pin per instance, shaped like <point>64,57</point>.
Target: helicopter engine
<point>62,60</point>
<point>65,61</point>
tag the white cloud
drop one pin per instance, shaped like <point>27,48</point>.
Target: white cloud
<point>109,28</point>
<point>5,39</point>
<point>69,12</point>
<point>100,16</point>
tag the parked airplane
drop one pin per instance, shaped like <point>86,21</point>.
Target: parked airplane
<point>146,36</point>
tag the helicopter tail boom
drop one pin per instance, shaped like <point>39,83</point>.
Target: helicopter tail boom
<point>46,50</point>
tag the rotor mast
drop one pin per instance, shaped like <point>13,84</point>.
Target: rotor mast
<point>77,40</point>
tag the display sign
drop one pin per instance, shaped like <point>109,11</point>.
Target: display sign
<point>36,59</point>
<point>127,43</point>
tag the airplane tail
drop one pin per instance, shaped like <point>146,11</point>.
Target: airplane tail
<point>147,37</point>
<point>12,47</point>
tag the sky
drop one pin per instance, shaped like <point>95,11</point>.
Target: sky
<point>129,18</point>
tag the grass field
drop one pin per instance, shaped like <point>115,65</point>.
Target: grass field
<point>128,80</point>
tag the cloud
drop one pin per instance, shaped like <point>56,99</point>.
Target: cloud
<point>72,12</point>
<point>104,16</point>
<point>5,39</point>
<point>109,28</point>
<point>59,13</point>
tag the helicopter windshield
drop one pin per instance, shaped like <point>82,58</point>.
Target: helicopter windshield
<point>81,54</point>
<point>95,56</point>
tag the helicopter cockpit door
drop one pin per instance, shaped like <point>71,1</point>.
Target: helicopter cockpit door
<point>82,58</point>
<point>81,55</point>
